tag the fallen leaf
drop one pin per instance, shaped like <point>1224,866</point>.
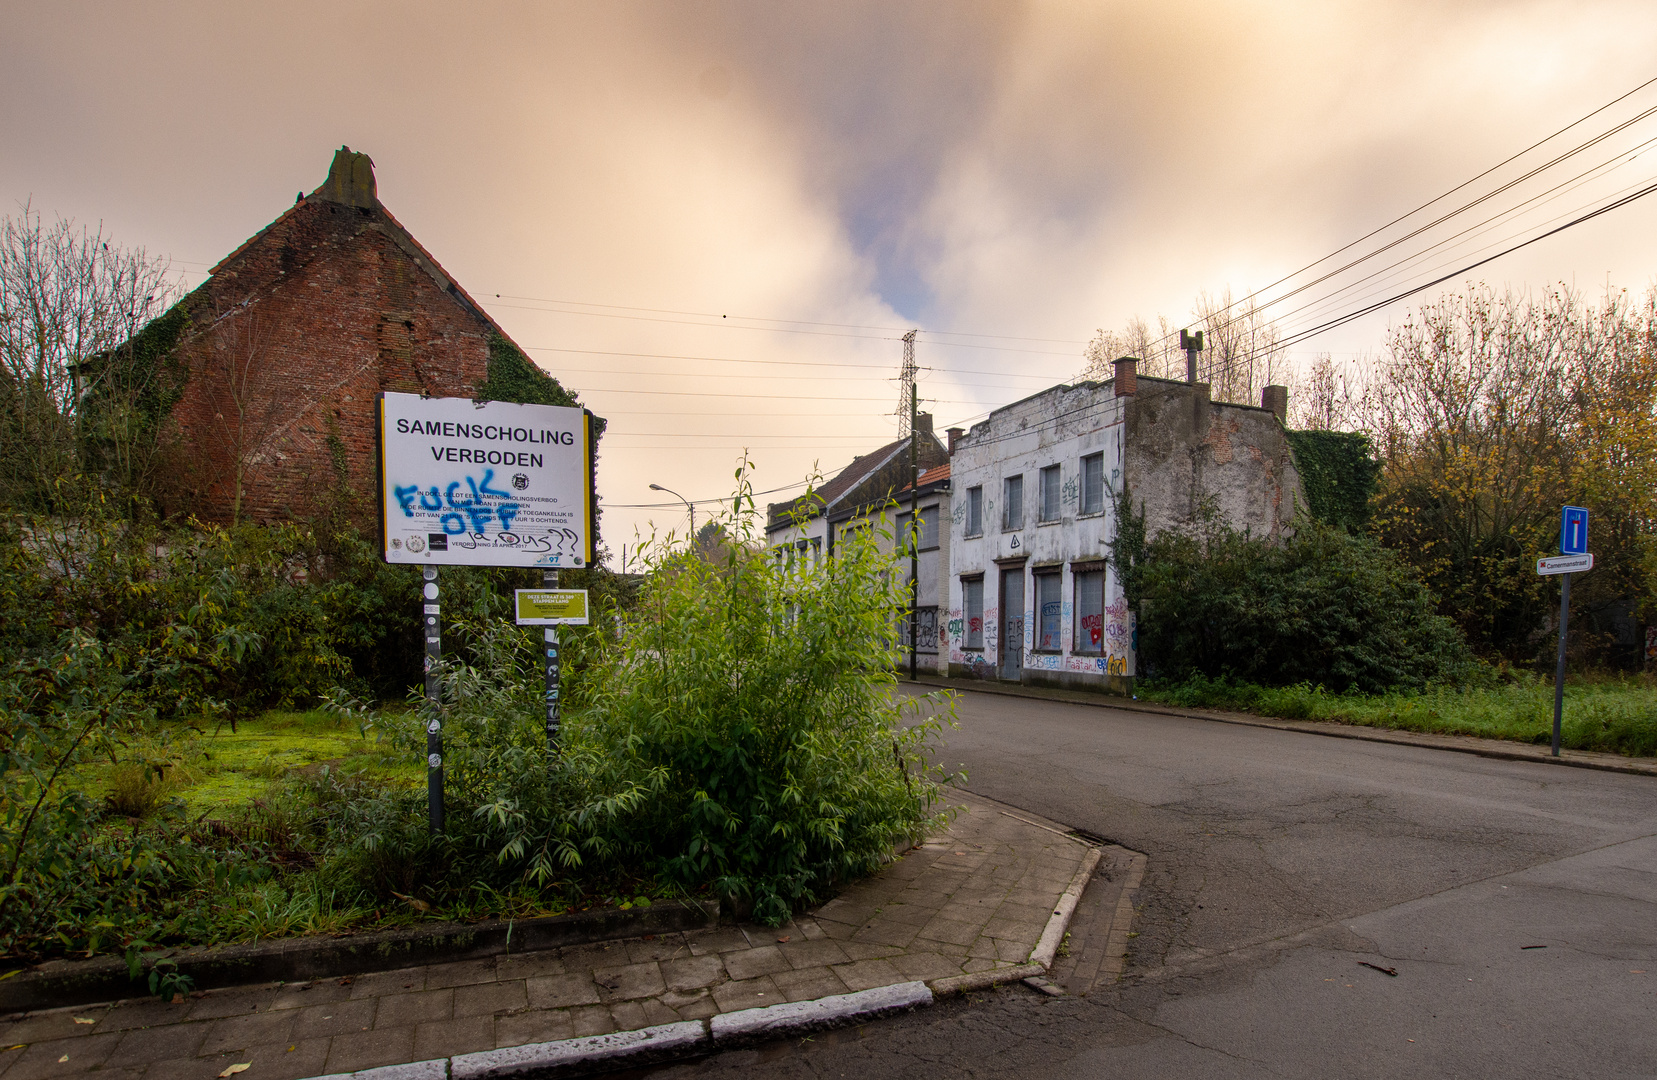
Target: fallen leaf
<point>19,1046</point>
<point>1377,967</point>
<point>62,1059</point>
<point>1636,971</point>
<point>783,938</point>
<point>232,1070</point>
<point>85,1020</point>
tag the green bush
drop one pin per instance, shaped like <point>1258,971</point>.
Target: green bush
<point>741,737</point>
<point>1324,608</point>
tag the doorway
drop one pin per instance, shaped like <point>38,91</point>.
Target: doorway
<point>1012,624</point>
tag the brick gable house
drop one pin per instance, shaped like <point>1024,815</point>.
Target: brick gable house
<point>276,358</point>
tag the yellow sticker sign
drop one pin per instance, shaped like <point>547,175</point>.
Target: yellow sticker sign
<point>552,607</point>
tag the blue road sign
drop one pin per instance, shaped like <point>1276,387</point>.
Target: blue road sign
<point>1573,531</point>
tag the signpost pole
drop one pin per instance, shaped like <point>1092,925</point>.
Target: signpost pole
<point>431,616</point>
<point>1559,670</point>
<point>549,579</point>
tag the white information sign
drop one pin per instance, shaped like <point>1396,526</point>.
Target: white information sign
<point>485,484</point>
<point>1564,564</point>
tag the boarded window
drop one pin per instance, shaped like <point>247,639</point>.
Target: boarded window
<point>1050,493</point>
<point>975,511</point>
<point>1090,613</point>
<point>1093,484</point>
<point>1012,503</point>
<point>972,600</point>
<point>1049,612</point>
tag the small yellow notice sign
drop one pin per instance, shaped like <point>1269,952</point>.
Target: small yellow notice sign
<point>552,607</point>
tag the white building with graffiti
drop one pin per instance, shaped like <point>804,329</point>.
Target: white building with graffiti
<point>1033,595</point>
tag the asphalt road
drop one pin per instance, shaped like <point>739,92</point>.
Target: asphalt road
<point>1515,901</point>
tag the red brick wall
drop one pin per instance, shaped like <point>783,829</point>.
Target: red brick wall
<point>302,327</point>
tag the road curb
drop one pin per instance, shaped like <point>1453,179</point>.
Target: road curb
<point>1460,744</point>
<point>81,982</point>
<point>805,1017</point>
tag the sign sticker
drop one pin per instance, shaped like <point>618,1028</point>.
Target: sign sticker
<point>496,483</point>
<point>551,607</point>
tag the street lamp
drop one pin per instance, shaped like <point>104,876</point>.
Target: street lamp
<point>687,502</point>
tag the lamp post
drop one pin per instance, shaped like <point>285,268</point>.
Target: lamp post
<point>687,502</point>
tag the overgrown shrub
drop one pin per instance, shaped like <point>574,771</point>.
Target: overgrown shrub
<point>1325,608</point>
<point>741,737</point>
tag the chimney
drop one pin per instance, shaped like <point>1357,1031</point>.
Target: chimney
<point>1275,399</point>
<point>350,180</point>
<point>954,434</point>
<point>1192,344</point>
<point>1127,376</point>
<point>923,423</point>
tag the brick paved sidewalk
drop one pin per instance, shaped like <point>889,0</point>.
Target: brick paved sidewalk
<point>968,903</point>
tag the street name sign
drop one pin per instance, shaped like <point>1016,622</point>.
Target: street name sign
<point>1573,531</point>
<point>551,607</point>
<point>1564,564</point>
<point>474,483</point>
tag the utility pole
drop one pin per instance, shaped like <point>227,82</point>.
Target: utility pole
<point>914,496</point>
<point>1192,344</point>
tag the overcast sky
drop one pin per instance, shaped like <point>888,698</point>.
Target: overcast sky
<point>714,220</point>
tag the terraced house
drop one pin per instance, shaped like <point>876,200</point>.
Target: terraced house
<point>1037,490</point>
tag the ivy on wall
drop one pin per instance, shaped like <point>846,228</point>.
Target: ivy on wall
<point>512,376</point>
<point>1339,473</point>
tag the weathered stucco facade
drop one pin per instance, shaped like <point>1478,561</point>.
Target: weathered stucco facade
<point>1033,596</point>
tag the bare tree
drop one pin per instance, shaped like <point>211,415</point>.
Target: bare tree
<point>240,341</point>
<point>68,298</point>
<point>1244,352</point>
<point>1328,397</point>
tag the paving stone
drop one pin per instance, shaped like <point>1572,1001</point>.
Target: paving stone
<point>141,1046</point>
<point>810,930</point>
<point>332,1018</point>
<point>628,1015</point>
<point>240,1032</point>
<point>1012,952</point>
<point>534,1026</point>
<point>370,1049</point>
<point>401,981</point>
<point>445,1038</point>
<point>656,1012</point>
<point>867,950</point>
<point>701,1009</point>
<point>591,1020</point>
<point>561,991</point>
<point>464,973</point>
<point>487,999</point>
<point>837,931</point>
<point>628,983</point>
<point>867,974</point>
<point>692,972</point>
<point>748,994</point>
<point>679,999</point>
<point>806,984</point>
<point>221,1003</point>
<point>926,966</point>
<point>529,965</point>
<point>884,933</point>
<point>277,1061</point>
<point>195,1068</point>
<point>41,1058</point>
<point>588,957</point>
<point>819,953</point>
<point>659,947</point>
<point>755,962</point>
<point>977,964</point>
<point>60,1024</point>
<point>300,995</point>
<point>723,939</point>
<point>397,1010</point>
<point>952,932</point>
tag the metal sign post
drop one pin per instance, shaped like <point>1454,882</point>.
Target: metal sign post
<point>432,617</point>
<point>549,579</point>
<point>1573,558</point>
<point>551,607</point>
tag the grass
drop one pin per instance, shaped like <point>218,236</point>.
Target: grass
<point>1612,713</point>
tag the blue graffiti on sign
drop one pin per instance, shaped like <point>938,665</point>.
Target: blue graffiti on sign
<point>462,511</point>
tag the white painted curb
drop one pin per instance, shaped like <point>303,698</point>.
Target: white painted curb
<point>1048,946</point>
<point>802,1017</point>
<point>436,1069</point>
<point>568,1055</point>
